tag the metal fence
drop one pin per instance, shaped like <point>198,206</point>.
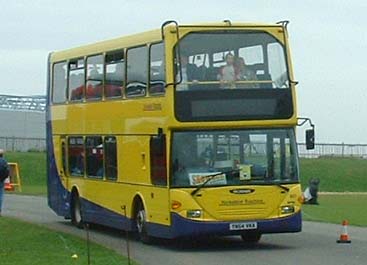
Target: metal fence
<point>321,149</point>
<point>14,144</point>
<point>333,149</point>
<point>25,103</point>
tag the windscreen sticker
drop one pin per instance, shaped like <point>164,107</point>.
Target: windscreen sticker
<point>200,178</point>
<point>245,172</point>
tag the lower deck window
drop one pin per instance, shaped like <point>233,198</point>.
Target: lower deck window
<point>110,149</point>
<point>76,156</point>
<point>94,158</point>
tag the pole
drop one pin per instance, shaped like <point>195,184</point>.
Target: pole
<point>127,238</point>
<point>86,227</point>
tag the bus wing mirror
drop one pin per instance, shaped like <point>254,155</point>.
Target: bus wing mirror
<point>310,139</point>
<point>158,144</point>
<point>310,133</point>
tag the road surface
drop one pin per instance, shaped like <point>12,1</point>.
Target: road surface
<point>315,245</point>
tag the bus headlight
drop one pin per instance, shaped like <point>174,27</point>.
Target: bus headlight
<point>287,209</point>
<point>193,213</point>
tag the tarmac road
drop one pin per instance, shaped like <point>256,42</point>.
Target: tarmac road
<point>315,245</point>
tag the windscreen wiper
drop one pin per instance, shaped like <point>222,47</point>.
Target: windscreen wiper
<point>279,185</point>
<point>209,178</point>
<point>282,187</point>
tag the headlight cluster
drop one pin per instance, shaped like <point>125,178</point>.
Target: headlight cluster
<point>193,213</point>
<point>287,209</point>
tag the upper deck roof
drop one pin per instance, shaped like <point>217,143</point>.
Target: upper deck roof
<point>142,38</point>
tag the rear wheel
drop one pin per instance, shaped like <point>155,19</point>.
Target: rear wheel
<point>76,211</point>
<point>251,237</point>
<point>141,224</point>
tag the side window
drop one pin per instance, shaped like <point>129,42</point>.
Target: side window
<point>59,84</point>
<point>94,86</point>
<point>137,71</point>
<point>252,55</point>
<point>255,67</point>
<point>63,157</point>
<point>76,156</point>
<point>158,164</point>
<point>76,79</point>
<point>157,69</point>
<point>110,148</point>
<point>94,156</point>
<point>115,74</point>
<point>277,67</point>
<point>219,58</point>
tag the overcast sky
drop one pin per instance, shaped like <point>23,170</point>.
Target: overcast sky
<point>328,41</point>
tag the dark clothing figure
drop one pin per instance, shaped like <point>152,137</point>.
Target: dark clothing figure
<point>4,173</point>
<point>189,73</point>
<point>313,189</point>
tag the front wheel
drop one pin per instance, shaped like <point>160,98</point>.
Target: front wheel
<point>251,237</point>
<point>141,225</point>
<point>76,212</point>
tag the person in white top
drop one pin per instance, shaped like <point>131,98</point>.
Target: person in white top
<point>228,73</point>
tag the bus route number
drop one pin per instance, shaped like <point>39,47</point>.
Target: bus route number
<point>243,226</point>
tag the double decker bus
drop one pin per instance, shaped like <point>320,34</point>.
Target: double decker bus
<point>183,131</point>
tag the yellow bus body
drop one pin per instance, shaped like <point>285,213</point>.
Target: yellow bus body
<point>133,121</point>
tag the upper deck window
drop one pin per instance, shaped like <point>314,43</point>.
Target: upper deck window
<point>231,75</point>
<point>157,69</point>
<point>95,71</point>
<point>137,71</point>
<point>115,74</point>
<point>232,59</point>
<point>59,83</point>
<point>76,79</point>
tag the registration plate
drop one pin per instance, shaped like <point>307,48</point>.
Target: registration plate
<point>243,226</point>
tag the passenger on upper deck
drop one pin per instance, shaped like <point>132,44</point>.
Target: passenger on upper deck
<point>189,73</point>
<point>245,74</point>
<point>228,73</point>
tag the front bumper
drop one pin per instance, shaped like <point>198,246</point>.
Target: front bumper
<point>182,227</point>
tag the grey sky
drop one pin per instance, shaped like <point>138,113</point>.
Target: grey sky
<point>328,41</point>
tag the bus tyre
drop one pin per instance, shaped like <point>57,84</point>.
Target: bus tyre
<point>141,222</point>
<point>251,237</point>
<point>76,212</point>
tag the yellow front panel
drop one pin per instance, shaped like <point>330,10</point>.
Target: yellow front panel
<point>219,204</point>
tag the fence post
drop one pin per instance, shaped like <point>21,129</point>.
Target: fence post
<point>13,144</point>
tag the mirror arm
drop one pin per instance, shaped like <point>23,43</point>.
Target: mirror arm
<point>301,121</point>
<point>175,82</point>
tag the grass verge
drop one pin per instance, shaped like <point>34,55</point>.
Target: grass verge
<point>336,208</point>
<point>32,167</point>
<point>24,243</point>
<point>336,174</point>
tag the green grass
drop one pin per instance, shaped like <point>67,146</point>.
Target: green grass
<point>24,243</point>
<point>336,208</point>
<point>336,174</point>
<point>32,166</point>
